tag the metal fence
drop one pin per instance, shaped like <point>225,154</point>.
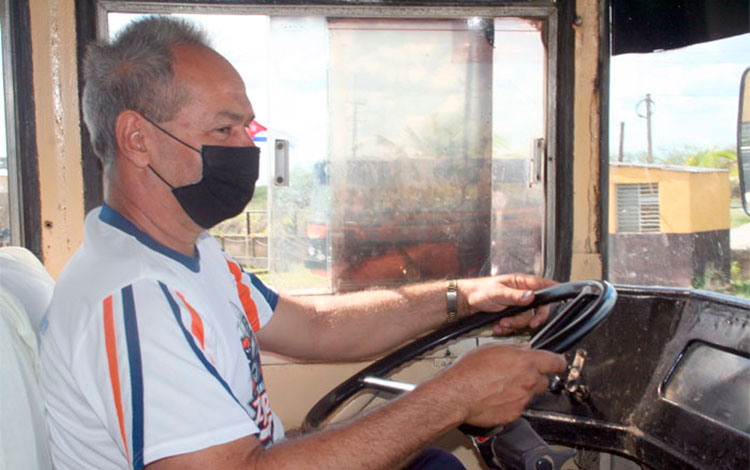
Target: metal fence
<point>245,238</point>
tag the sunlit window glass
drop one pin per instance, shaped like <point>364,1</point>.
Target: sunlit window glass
<point>675,215</point>
<point>393,150</point>
<point>4,182</point>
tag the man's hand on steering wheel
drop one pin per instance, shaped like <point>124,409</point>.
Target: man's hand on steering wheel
<point>495,293</point>
<point>495,383</point>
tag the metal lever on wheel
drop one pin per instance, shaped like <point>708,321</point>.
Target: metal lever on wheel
<point>518,447</point>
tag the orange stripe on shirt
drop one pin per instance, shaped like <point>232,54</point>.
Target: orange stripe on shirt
<point>196,325</point>
<point>114,371</point>
<point>251,311</point>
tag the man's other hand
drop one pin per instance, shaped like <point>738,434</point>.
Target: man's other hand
<point>495,383</point>
<point>495,293</point>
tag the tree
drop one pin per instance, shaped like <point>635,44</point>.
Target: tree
<point>714,157</point>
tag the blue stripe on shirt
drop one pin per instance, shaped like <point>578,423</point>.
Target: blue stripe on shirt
<point>271,297</point>
<point>193,346</point>
<point>136,374</point>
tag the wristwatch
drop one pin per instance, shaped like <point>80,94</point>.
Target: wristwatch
<point>451,299</point>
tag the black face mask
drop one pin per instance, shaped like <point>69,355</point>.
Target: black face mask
<point>227,185</point>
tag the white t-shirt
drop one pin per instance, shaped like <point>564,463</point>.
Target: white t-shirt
<point>148,353</point>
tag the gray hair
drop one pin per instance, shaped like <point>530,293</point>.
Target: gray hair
<point>134,71</point>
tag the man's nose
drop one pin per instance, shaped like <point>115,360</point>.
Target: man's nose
<point>246,140</point>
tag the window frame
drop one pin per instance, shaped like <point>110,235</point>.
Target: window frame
<point>560,41</point>
<point>20,115</point>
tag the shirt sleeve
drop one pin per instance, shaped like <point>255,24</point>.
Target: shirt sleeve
<point>159,394</point>
<point>258,300</point>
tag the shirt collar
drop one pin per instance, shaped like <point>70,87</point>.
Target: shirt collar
<point>113,218</point>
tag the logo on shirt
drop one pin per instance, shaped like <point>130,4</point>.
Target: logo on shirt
<point>259,406</point>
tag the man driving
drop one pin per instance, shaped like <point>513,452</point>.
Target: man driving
<point>150,347</point>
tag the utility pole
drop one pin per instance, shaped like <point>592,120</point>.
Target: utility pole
<point>622,141</point>
<point>355,119</point>
<point>649,112</point>
<point>648,127</point>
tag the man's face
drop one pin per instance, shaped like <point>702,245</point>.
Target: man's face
<point>216,113</point>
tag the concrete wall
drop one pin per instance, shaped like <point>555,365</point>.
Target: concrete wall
<point>670,259</point>
<point>690,200</point>
<point>692,246</point>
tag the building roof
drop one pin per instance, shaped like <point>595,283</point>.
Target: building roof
<point>653,166</point>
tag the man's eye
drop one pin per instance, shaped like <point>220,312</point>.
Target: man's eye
<point>225,129</point>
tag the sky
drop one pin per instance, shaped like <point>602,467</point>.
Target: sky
<point>695,91</point>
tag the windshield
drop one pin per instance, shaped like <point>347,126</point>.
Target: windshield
<point>675,215</point>
<point>394,150</point>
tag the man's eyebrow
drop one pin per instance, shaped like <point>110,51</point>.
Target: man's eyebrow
<point>233,116</point>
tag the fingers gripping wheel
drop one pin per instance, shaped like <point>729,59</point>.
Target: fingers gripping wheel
<point>590,303</point>
<point>582,306</point>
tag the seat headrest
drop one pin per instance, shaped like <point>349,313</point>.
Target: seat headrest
<point>24,276</point>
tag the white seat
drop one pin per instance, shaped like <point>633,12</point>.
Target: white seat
<point>25,292</point>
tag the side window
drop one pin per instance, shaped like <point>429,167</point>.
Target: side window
<point>4,186</point>
<point>9,192</point>
<point>393,149</point>
<point>675,215</point>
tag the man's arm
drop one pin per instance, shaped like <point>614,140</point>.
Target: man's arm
<point>487,387</point>
<point>363,324</point>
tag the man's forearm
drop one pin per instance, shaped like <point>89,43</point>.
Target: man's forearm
<point>486,387</point>
<point>383,439</point>
<point>363,324</point>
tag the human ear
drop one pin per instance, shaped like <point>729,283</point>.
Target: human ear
<point>131,139</point>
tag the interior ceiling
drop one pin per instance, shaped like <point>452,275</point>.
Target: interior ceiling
<point>649,25</point>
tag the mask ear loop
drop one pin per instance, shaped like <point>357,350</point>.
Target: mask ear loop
<point>160,177</point>
<point>170,134</point>
<point>175,138</point>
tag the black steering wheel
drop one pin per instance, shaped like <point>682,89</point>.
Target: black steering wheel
<point>583,305</point>
<point>588,303</point>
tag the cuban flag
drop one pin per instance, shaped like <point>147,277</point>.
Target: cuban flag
<point>254,129</point>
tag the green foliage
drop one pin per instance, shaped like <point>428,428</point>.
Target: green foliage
<point>292,203</point>
<point>689,155</point>
<point>737,217</point>
<point>640,156</point>
<point>258,218</point>
<point>260,199</point>
<point>714,157</point>
<point>738,286</point>
<point>698,282</point>
<point>297,277</point>
<point>715,282</point>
